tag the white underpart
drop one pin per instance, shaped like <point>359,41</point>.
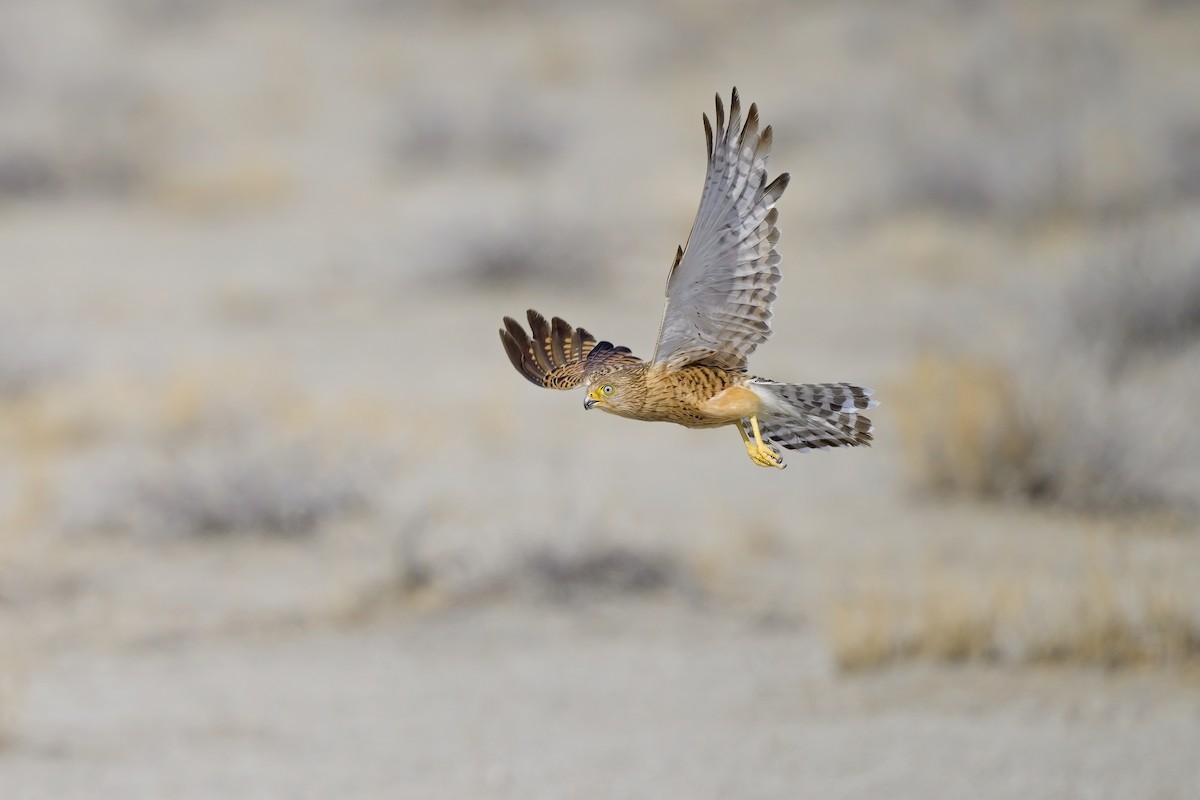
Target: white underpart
<point>773,404</point>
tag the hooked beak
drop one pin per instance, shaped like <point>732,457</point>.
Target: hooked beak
<point>594,398</point>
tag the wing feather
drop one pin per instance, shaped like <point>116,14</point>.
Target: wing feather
<point>558,356</point>
<point>722,285</point>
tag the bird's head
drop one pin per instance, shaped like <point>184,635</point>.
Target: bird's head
<point>616,380</point>
<point>620,392</point>
<point>599,394</point>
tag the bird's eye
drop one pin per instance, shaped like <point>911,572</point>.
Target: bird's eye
<point>607,390</point>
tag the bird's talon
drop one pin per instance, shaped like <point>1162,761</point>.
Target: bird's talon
<point>765,457</point>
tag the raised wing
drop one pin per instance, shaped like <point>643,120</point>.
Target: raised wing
<point>558,356</point>
<point>721,287</point>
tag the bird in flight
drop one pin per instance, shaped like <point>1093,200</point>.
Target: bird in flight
<point>719,294</point>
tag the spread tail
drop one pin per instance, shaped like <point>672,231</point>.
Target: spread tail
<point>813,415</point>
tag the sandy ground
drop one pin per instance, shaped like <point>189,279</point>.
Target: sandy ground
<point>640,700</point>
<point>277,518</point>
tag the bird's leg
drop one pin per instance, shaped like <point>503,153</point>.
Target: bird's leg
<point>760,453</point>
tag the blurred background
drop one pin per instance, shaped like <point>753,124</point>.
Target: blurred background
<point>277,517</point>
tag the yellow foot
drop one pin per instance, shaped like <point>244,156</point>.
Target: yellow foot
<point>759,451</point>
<point>764,456</point>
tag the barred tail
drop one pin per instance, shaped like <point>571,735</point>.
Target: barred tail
<point>813,415</point>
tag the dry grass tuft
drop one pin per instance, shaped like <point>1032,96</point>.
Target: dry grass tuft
<point>955,623</point>
<point>965,430</point>
<point>865,631</point>
<point>1093,415</point>
<point>238,185</point>
<point>1154,627</point>
<point>948,621</point>
<point>1103,618</point>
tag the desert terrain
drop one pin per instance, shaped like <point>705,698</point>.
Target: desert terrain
<point>278,519</point>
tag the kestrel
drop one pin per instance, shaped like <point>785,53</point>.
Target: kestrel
<point>719,295</point>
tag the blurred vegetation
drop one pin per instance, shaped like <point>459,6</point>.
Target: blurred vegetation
<point>1091,413</point>
<point>31,357</point>
<point>299,184</point>
<point>1105,614</point>
<point>594,571</point>
<point>203,457</point>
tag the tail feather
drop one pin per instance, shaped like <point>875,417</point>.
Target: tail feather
<point>820,415</point>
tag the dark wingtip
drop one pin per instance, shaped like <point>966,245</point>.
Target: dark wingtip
<point>775,188</point>
<point>514,327</point>
<point>517,346</point>
<point>516,355</point>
